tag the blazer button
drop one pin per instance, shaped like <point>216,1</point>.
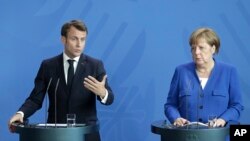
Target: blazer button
<point>201,95</point>
<point>200,120</point>
<point>201,107</point>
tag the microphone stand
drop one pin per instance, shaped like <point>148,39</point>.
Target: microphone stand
<point>46,101</point>
<point>56,101</point>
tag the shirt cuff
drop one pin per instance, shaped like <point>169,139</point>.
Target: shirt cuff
<point>20,112</point>
<point>104,100</point>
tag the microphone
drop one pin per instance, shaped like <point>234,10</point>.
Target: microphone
<point>57,83</point>
<point>46,101</point>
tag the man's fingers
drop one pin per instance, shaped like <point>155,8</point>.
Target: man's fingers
<point>89,81</point>
<point>89,86</point>
<point>92,79</point>
<point>104,78</point>
<point>15,118</point>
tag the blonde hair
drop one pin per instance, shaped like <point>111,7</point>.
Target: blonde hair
<point>208,34</point>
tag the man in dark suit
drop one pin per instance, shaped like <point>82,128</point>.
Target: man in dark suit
<point>74,85</point>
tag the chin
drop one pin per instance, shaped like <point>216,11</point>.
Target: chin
<point>199,62</point>
<point>77,54</point>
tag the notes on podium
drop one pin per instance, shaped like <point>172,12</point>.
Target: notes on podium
<point>195,125</point>
<point>59,125</point>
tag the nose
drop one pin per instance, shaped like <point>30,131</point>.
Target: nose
<point>78,43</point>
<point>197,50</point>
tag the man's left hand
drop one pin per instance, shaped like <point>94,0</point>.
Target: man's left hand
<point>97,87</point>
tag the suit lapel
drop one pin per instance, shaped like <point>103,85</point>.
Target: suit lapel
<point>61,75</point>
<point>79,74</point>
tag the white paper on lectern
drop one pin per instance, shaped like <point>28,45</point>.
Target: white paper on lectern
<point>52,124</point>
<point>196,123</point>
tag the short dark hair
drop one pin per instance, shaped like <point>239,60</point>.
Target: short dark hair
<point>208,34</point>
<point>78,24</point>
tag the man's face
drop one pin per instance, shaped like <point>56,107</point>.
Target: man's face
<point>74,43</point>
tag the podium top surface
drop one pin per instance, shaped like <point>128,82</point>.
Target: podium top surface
<point>55,128</point>
<point>161,127</point>
<point>189,133</point>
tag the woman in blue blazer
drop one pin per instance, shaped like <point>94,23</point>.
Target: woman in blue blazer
<point>205,86</point>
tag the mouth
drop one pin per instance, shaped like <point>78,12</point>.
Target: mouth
<point>77,51</point>
<point>198,59</point>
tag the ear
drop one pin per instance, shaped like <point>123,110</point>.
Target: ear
<point>213,49</point>
<point>63,40</point>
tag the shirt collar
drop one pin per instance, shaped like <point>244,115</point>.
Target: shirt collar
<point>66,57</point>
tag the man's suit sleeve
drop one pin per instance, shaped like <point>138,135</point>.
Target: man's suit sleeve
<point>35,100</point>
<point>100,73</point>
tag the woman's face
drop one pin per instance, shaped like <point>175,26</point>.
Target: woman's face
<point>202,52</point>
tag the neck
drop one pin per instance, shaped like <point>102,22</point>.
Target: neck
<point>205,70</point>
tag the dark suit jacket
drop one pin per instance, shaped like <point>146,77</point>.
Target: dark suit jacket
<point>80,101</point>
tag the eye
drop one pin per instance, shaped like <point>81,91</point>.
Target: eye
<point>192,48</point>
<point>82,39</point>
<point>72,38</point>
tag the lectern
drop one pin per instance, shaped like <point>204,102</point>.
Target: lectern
<point>190,133</point>
<point>52,132</point>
